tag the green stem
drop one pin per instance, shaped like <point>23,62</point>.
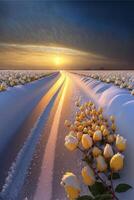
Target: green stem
<point>111,190</point>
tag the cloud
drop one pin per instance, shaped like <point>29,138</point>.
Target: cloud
<point>27,55</point>
<point>103,30</point>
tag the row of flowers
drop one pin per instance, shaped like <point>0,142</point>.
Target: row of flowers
<point>118,78</point>
<point>13,78</point>
<point>102,153</point>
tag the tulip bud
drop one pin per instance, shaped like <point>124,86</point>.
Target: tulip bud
<point>113,127</point>
<point>120,143</point>
<point>112,118</point>
<point>90,132</point>
<point>105,132</point>
<point>93,126</point>
<point>82,108</point>
<point>97,127</point>
<point>101,163</point>
<point>67,123</point>
<point>96,151</point>
<point>72,127</point>
<point>97,136</point>
<point>108,151</point>
<point>80,128</point>
<point>85,130</point>
<point>84,123</point>
<point>87,141</point>
<point>87,112</point>
<point>79,135</point>
<point>77,103</point>
<point>72,133</point>
<point>101,116</point>
<point>89,123</point>
<point>110,138</point>
<point>71,142</point>
<point>88,176</point>
<point>76,123</point>
<point>102,127</point>
<point>117,162</point>
<point>71,184</point>
<point>100,110</point>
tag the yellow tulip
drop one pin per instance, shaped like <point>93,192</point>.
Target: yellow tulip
<point>90,132</point>
<point>105,132</point>
<point>72,127</point>
<point>76,123</point>
<point>101,163</point>
<point>88,175</point>
<point>96,151</point>
<point>100,110</point>
<point>102,127</point>
<point>71,142</point>
<point>79,135</point>
<point>85,130</point>
<point>67,123</point>
<point>80,128</point>
<point>110,138</point>
<point>97,136</point>
<point>88,123</point>
<point>87,111</point>
<point>117,162</point>
<point>112,118</point>
<point>101,116</point>
<point>108,151</point>
<point>86,141</point>
<point>82,108</point>
<point>77,103</point>
<point>120,143</point>
<point>113,127</point>
<point>71,184</point>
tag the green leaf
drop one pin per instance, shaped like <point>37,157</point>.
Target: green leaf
<point>85,197</point>
<point>104,197</point>
<point>97,189</point>
<point>114,176</point>
<point>122,187</point>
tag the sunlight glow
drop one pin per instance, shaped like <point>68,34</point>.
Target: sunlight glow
<point>46,57</point>
<point>58,60</point>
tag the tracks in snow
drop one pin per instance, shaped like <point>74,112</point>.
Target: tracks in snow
<point>19,167</point>
<point>46,177</point>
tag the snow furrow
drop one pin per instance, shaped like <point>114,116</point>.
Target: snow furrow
<point>46,177</point>
<point>19,167</point>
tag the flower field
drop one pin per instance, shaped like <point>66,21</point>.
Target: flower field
<point>95,137</point>
<point>122,79</point>
<point>11,78</point>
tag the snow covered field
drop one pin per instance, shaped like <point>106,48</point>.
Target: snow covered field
<point>120,103</point>
<point>28,119</point>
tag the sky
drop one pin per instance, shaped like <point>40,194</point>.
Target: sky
<point>40,34</point>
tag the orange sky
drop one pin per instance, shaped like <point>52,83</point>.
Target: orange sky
<point>22,56</point>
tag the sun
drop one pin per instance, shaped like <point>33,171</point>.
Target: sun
<point>58,60</point>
